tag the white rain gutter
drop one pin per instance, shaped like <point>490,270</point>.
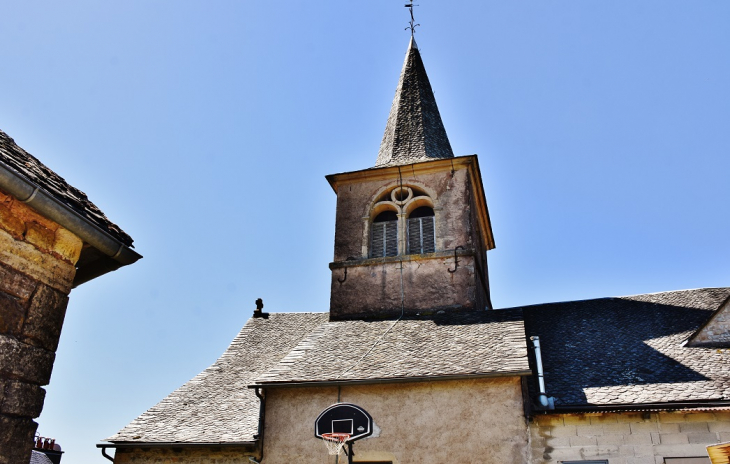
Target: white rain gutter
<point>116,254</point>
<point>546,402</point>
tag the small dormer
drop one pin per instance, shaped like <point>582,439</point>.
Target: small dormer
<point>715,333</point>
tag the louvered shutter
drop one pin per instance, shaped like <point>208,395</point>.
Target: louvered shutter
<point>421,235</point>
<point>384,241</point>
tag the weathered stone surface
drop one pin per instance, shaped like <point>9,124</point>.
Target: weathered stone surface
<point>39,236</point>
<point>27,259</point>
<point>19,361</point>
<point>210,455</point>
<point>22,399</point>
<point>45,318</point>
<point>14,283</point>
<point>15,431</point>
<point>12,315</point>
<point>11,223</point>
<point>67,245</point>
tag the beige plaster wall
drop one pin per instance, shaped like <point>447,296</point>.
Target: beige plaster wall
<point>212,455</point>
<point>465,421</point>
<point>628,438</point>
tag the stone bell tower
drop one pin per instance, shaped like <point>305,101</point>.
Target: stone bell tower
<point>412,232</point>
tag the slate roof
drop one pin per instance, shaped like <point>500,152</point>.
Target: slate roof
<point>33,170</point>
<point>466,344</point>
<point>36,457</point>
<point>414,131</point>
<point>630,350</point>
<point>216,406</point>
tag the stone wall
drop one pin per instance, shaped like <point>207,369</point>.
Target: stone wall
<point>372,286</point>
<point>628,438</point>
<point>716,333</point>
<point>37,267</point>
<point>465,421</point>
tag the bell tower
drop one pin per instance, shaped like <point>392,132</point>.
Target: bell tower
<point>412,232</point>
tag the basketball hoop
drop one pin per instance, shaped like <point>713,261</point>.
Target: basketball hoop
<point>335,442</point>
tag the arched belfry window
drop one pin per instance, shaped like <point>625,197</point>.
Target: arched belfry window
<point>421,231</point>
<point>384,235</point>
<point>403,222</point>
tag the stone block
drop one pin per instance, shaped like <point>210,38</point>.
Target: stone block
<point>558,442</point>
<point>723,437</point>
<point>11,223</point>
<point>583,441</point>
<point>638,439</point>
<point>672,427</point>
<point>673,438</point>
<point>27,259</point>
<point>603,418</point>
<point>644,427</point>
<point>589,430</point>
<point>694,427</point>
<point>671,417</point>
<point>16,284</point>
<point>722,416</point>
<point>680,450</point>
<point>609,440</point>
<point>45,318</point>
<point>22,399</point>
<point>641,460</point>
<point>39,236</point>
<point>565,431</point>
<point>619,428</point>
<point>67,245</point>
<point>644,450</point>
<point>700,417</point>
<point>549,420</point>
<point>12,315</point>
<point>19,361</point>
<point>576,419</point>
<point>630,417</point>
<point>655,438</point>
<point>719,426</point>
<point>706,438</point>
<point>601,452</point>
<point>16,431</point>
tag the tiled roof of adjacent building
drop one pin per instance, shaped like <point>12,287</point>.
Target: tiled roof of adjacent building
<point>414,131</point>
<point>217,406</point>
<point>33,170</point>
<point>36,457</point>
<point>466,344</point>
<point>630,350</point>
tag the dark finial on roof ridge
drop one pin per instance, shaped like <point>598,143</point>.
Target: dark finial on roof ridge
<point>414,131</point>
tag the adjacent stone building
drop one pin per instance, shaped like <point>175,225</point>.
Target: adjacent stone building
<point>412,338</point>
<point>52,239</point>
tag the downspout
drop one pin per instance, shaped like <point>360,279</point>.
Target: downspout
<point>262,415</point>
<point>103,452</point>
<point>546,402</point>
<point>34,196</point>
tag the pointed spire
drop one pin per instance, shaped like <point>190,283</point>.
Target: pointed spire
<point>414,131</point>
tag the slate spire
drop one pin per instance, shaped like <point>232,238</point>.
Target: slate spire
<point>414,131</point>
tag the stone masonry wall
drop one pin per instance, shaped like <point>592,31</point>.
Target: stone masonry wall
<point>37,267</point>
<point>628,438</point>
<point>717,330</point>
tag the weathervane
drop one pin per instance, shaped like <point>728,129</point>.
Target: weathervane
<point>412,23</point>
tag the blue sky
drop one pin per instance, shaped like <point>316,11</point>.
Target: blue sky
<point>205,131</point>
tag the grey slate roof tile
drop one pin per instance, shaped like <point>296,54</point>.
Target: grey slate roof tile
<point>630,350</point>
<point>217,406</point>
<point>414,131</point>
<point>480,343</point>
<point>33,170</point>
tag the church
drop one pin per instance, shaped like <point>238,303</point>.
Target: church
<point>412,339</point>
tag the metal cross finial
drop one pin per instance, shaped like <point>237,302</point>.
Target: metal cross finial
<point>412,22</point>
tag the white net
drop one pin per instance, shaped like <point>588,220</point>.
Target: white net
<point>335,442</point>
